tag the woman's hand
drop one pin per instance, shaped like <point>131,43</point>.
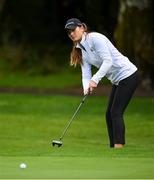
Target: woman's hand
<point>92,86</point>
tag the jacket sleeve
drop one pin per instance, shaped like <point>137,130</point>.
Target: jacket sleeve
<point>86,74</point>
<point>101,48</point>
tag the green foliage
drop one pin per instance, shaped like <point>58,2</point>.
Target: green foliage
<point>32,32</point>
<point>33,60</point>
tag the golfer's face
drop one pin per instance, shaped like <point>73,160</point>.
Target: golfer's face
<point>76,34</point>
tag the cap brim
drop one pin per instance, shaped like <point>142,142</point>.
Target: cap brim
<point>70,26</point>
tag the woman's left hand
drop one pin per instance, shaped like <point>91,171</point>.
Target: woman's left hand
<point>92,86</point>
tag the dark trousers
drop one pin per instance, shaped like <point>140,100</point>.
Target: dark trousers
<point>118,101</point>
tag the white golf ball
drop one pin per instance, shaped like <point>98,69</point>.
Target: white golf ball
<point>23,165</point>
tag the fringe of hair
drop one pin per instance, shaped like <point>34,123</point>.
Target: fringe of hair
<point>76,54</point>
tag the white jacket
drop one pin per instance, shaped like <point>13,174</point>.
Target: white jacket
<point>98,51</point>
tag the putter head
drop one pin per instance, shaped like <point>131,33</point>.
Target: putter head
<point>56,142</point>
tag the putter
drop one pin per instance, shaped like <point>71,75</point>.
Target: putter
<point>59,142</point>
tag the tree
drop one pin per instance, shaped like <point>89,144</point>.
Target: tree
<point>2,2</point>
<point>134,35</point>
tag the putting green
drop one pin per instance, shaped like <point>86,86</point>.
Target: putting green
<point>76,168</point>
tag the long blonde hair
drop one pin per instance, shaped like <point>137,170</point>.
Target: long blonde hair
<point>76,54</point>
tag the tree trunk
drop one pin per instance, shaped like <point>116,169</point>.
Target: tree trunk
<point>134,35</point>
<point>2,2</point>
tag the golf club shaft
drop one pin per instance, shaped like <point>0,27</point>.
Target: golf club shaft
<point>71,120</point>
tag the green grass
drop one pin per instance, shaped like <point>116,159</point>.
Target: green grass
<point>28,123</point>
<point>55,80</point>
<point>62,79</point>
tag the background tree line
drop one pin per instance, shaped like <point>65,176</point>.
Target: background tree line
<point>33,39</point>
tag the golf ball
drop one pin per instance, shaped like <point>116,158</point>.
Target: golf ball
<point>23,165</point>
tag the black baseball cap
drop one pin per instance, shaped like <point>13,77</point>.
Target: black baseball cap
<point>72,23</point>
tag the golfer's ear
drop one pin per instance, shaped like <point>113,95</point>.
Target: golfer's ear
<point>85,27</point>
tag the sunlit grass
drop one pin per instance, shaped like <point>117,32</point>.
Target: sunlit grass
<point>60,79</point>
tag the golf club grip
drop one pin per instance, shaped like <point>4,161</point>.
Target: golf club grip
<point>84,98</point>
<point>72,118</point>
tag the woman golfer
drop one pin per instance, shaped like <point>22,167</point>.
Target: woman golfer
<point>94,49</point>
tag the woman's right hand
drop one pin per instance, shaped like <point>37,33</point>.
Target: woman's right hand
<point>85,92</point>
<point>92,86</point>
